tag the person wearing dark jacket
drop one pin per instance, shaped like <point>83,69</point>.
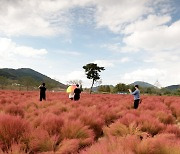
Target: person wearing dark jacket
<point>42,92</point>
<point>77,92</point>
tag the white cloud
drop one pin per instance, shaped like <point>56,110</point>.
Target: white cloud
<point>161,38</point>
<point>9,49</point>
<point>52,17</point>
<point>151,22</point>
<point>144,25</point>
<point>147,75</point>
<point>118,47</point>
<point>116,14</point>
<point>165,75</point>
<point>74,75</point>
<point>104,63</point>
<point>163,57</point>
<point>125,59</point>
<point>35,18</point>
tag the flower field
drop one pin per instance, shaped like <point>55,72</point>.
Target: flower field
<point>96,124</point>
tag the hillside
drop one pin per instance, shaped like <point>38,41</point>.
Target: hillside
<point>143,84</point>
<point>17,74</point>
<point>172,87</point>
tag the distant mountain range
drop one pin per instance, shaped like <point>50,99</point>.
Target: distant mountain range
<point>143,84</point>
<point>148,85</point>
<point>16,74</point>
<point>173,87</point>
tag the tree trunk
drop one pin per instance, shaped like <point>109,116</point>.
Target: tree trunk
<point>92,86</point>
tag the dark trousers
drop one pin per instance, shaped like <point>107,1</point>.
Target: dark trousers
<point>136,103</point>
<point>42,96</point>
<point>76,97</point>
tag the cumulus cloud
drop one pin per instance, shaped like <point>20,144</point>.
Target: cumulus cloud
<point>143,25</point>
<point>104,63</point>
<point>35,18</point>
<point>74,75</point>
<point>151,22</point>
<point>111,63</point>
<point>125,59</point>
<point>118,47</point>
<point>9,49</point>
<point>149,75</point>
<point>162,38</point>
<point>52,17</point>
<point>116,14</point>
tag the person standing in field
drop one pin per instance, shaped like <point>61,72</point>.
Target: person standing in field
<point>77,92</point>
<point>136,94</point>
<point>42,92</point>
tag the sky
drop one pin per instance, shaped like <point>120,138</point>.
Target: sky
<point>135,40</point>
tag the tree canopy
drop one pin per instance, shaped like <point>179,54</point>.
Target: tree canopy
<point>92,72</point>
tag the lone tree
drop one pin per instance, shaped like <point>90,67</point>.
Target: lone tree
<point>92,72</point>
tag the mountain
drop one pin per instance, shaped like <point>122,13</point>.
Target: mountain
<point>143,84</point>
<point>172,87</point>
<point>16,74</point>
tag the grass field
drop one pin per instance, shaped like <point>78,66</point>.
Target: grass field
<point>96,124</point>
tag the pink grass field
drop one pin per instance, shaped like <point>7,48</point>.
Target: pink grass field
<point>96,124</point>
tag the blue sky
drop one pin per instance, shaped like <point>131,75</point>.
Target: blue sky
<point>133,40</point>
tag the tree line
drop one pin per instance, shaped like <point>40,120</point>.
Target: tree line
<point>92,72</point>
<point>122,88</point>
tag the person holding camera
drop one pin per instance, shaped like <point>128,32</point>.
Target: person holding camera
<point>42,92</point>
<point>136,94</point>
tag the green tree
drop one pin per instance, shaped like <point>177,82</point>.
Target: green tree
<point>28,81</point>
<point>121,87</point>
<point>104,88</point>
<point>49,84</point>
<point>107,89</point>
<point>3,81</point>
<point>92,72</point>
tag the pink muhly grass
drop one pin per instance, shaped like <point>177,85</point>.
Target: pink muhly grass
<point>68,146</point>
<point>52,124</point>
<point>16,149</point>
<point>76,130</point>
<point>150,125</point>
<point>165,118</point>
<point>12,129</point>
<point>128,118</point>
<point>93,120</point>
<point>112,145</point>
<point>15,110</point>
<point>119,129</point>
<point>161,144</point>
<point>3,101</point>
<point>172,129</point>
<point>109,115</point>
<point>75,113</point>
<point>59,109</point>
<point>175,108</point>
<point>153,104</point>
<point>40,141</point>
<point>35,122</point>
